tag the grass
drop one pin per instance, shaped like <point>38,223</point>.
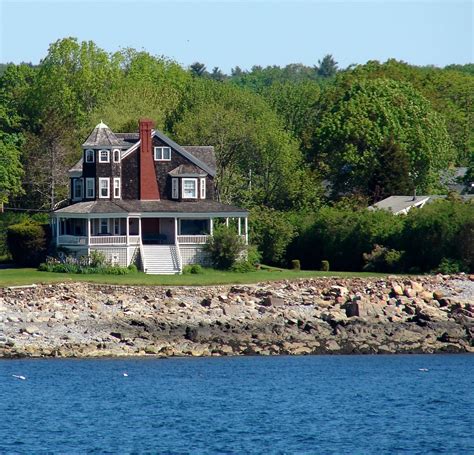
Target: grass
<point>25,276</point>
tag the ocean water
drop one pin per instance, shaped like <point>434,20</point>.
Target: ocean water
<point>241,405</point>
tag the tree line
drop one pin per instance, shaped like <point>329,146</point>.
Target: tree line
<point>290,139</point>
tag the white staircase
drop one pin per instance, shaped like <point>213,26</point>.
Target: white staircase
<point>161,259</point>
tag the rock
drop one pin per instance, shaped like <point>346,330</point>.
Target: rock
<point>361,309</point>
<point>397,289</point>
<point>30,330</point>
<point>409,292</point>
<point>58,315</point>
<point>416,286</point>
<point>339,291</point>
<point>332,345</point>
<point>437,295</point>
<point>272,301</point>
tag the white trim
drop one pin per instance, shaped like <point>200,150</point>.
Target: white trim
<point>108,156</point>
<point>88,181</point>
<point>117,187</point>
<point>86,154</point>
<point>202,188</point>
<point>161,149</point>
<point>104,179</point>
<point>116,153</point>
<point>183,181</point>
<point>193,216</point>
<point>174,188</point>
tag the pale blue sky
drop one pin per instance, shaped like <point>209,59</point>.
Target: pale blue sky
<point>229,33</point>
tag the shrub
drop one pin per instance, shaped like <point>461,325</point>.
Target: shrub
<point>28,242</point>
<point>253,255</point>
<point>193,269</point>
<point>133,268</point>
<point>224,247</point>
<point>96,258</point>
<point>324,266</point>
<point>449,266</point>
<point>381,259</point>
<point>295,264</point>
<point>243,267</point>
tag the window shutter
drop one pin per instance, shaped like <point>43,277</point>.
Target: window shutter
<point>174,188</point>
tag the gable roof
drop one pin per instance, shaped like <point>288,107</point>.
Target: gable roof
<point>203,152</point>
<point>102,136</point>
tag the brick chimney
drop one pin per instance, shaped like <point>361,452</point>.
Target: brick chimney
<point>149,190</point>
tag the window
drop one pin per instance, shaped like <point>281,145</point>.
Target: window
<point>104,187</point>
<point>117,226</point>
<point>189,189</point>
<point>104,226</point>
<point>116,156</point>
<point>174,189</point>
<point>89,156</point>
<point>162,153</point>
<point>117,188</point>
<point>203,188</point>
<point>90,188</point>
<point>194,227</point>
<point>77,189</point>
<point>103,156</point>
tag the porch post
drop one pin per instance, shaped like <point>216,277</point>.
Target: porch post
<point>127,230</point>
<point>140,227</point>
<point>239,226</point>
<point>246,230</point>
<point>211,226</point>
<point>88,231</point>
<point>227,222</point>
<point>176,231</point>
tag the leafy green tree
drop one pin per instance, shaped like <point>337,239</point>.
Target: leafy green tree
<point>198,69</point>
<point>327,67</point>
<point>11,171</point>
<point>356,119</point>
<point>217,74</point>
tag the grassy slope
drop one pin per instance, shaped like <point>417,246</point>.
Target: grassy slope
<point>11,277</point>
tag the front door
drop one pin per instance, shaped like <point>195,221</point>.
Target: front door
<point>151,231</point>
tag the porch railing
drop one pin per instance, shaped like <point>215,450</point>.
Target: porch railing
<point>72,240</point>
<point>99,240</point>
<point>108,240</point>
<point>192,239</point>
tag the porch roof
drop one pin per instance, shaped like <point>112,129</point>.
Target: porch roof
<point>160,207</point>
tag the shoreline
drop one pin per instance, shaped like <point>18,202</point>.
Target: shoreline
<point>320,316</point>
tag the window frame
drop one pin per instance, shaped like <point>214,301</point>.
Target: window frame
<point>161,157</point>
<point>202,188</point>
<point>116,153</point>
<point>174,188</point>
<point>101,222</point>
<point>100,156</point>
<point>117,187</point>
<point>74,188</point>
<point>87,154</point>
<point>183,185</point>
<point>88,187</point>
<point>104,179</point>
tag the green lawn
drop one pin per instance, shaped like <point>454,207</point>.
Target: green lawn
<point>14,277</point>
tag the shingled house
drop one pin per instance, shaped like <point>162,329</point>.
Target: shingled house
<point>141,198</point>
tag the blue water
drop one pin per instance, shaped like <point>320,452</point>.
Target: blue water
<point>327,405</point>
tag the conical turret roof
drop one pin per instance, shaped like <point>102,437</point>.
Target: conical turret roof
<point>102,136</point>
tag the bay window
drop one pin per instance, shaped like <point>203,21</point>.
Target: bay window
<point>189,189</point>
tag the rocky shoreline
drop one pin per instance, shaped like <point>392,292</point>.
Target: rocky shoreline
<point>423,314</point>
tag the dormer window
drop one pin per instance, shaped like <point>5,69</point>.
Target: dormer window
<point>162,153</point>
<point>103,156</point>
<point>89,156</point>
<point>189,189</point>
<point>116,156</point>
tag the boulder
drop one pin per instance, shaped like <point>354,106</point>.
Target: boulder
<point>271,300</point>
<point>361,309</point>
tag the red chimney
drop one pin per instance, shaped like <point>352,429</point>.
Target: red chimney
<point>149,190</point>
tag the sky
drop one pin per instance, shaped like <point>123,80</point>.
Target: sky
<point>245,33</point>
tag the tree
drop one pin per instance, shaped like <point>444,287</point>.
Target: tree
<point>217,74</point>
<point>198,69</point>
<point>224,247</point>
<point>11,171</point>
<point>327,67</point>
<point>357,120</point>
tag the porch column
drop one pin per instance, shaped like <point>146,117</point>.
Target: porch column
<point>127,230</point>
<point>176,231</point>
<point>140,227</point>
<point>88,231</point>
<point>227,222</point>
<point>246,230</point>
<point>211,226</point>
<point>239,226</point>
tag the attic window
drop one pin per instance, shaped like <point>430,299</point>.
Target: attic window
<point>103,156</point>
<point>189,189</point>
<point>89,156</point>
<point>162,153</point>
<point>116,156</point>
